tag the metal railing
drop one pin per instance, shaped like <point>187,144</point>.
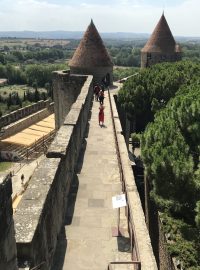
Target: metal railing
<point>131,228</point>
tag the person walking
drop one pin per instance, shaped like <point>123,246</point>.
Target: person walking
<point>96,91</point>
<point>101,97</point>
<point>101,115</point>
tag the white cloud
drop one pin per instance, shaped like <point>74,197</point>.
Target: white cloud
<point>125,15</point>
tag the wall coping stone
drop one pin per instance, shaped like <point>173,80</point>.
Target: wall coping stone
<point>60,143</point>
<point>72,117</point>
<point>30,207</point>
<point>147,258</point>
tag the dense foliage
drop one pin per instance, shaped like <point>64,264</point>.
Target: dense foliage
<point>29,74</point>
<point>152,88</point>
<point>166,99</point>
<point>122,72</point>
<point>170,150</point>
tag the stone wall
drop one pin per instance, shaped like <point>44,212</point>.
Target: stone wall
<point>26,122</point>
<point>8,252</point>
<point>137,217</point>
<point>66,88</point>
<point>98,72</point>
<point>23,112</point>
<point>43,205</point>
<point>158,239</point>
<point>149,59</point>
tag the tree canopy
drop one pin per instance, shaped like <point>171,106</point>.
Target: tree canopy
<point>166,100</point>
<point>152,88</point>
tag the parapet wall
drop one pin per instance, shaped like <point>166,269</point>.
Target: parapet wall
<point>8,252</point>
<point>99,73</point>
<point>23,112</point>
<point>44,204</point>
<point>146,255</point>
<point>66,88</point>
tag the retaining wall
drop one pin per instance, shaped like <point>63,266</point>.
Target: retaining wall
<point>158,238</point>
<point>8,252</point>
<point>44,204</point>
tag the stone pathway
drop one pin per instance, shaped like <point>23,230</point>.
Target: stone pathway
<point>86,242</point>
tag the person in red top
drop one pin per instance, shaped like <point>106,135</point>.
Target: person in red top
<point>101,115</point>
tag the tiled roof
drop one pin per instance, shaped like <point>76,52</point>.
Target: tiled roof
<point>161,40</point>
<point>91,51</point>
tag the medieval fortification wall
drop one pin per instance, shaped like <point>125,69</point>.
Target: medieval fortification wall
<point>26,122</point>
<point>44,203</point>
<point>23,112</point>
<point>8,252</point>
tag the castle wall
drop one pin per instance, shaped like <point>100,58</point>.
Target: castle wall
<point>44,204</point>
<point>137,216</point>
<point>66,88</point>
<point>98,73</point>
<point>149,59</point>
<point>23,112</point>
<point>8,252</point>
<point>158,238</point>
<point>26,122</point>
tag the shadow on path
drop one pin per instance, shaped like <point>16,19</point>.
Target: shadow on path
<point>61,247</point>
<point>60,251</point>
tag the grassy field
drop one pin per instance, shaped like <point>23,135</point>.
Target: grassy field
<point>20,89</point>
<point>5,166</point>
<point>15,42</point>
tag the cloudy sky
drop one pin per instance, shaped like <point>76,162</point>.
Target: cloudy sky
<point>139,16</point>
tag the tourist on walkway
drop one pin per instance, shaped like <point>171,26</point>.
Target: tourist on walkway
<point>96,91</point>
<point>101,97</point>
<point>101,115</point>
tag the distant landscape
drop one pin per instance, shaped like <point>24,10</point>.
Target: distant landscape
<point>28,58</point>
<point>79,34</point>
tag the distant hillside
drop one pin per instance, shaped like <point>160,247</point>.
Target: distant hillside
<point>67,35</point>
<point>79,34</point>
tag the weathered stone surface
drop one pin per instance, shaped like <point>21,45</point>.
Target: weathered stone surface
<point>40,214</point>
<point>136,213</point>
<point>61,142</point>
<point>34,199</point>
<point>73,116</point>
<point>23,112</point>
<point>66,88</point>
<point>8,252</point>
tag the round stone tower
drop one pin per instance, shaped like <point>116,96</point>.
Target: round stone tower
<point>91,57</point>
<point>161,46</point>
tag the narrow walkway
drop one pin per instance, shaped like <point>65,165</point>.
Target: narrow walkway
<point>87,241</point>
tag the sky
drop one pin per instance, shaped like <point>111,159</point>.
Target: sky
<point>137,16</point>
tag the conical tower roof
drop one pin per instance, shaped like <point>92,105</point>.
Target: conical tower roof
<point>91,51</point>
<point>161,40</point>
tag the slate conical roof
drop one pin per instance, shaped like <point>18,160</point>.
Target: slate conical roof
<point>161,40</point>
<point>91,51</point>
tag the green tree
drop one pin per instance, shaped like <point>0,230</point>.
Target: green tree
<point>170,146</point>
<point>152,88</point>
